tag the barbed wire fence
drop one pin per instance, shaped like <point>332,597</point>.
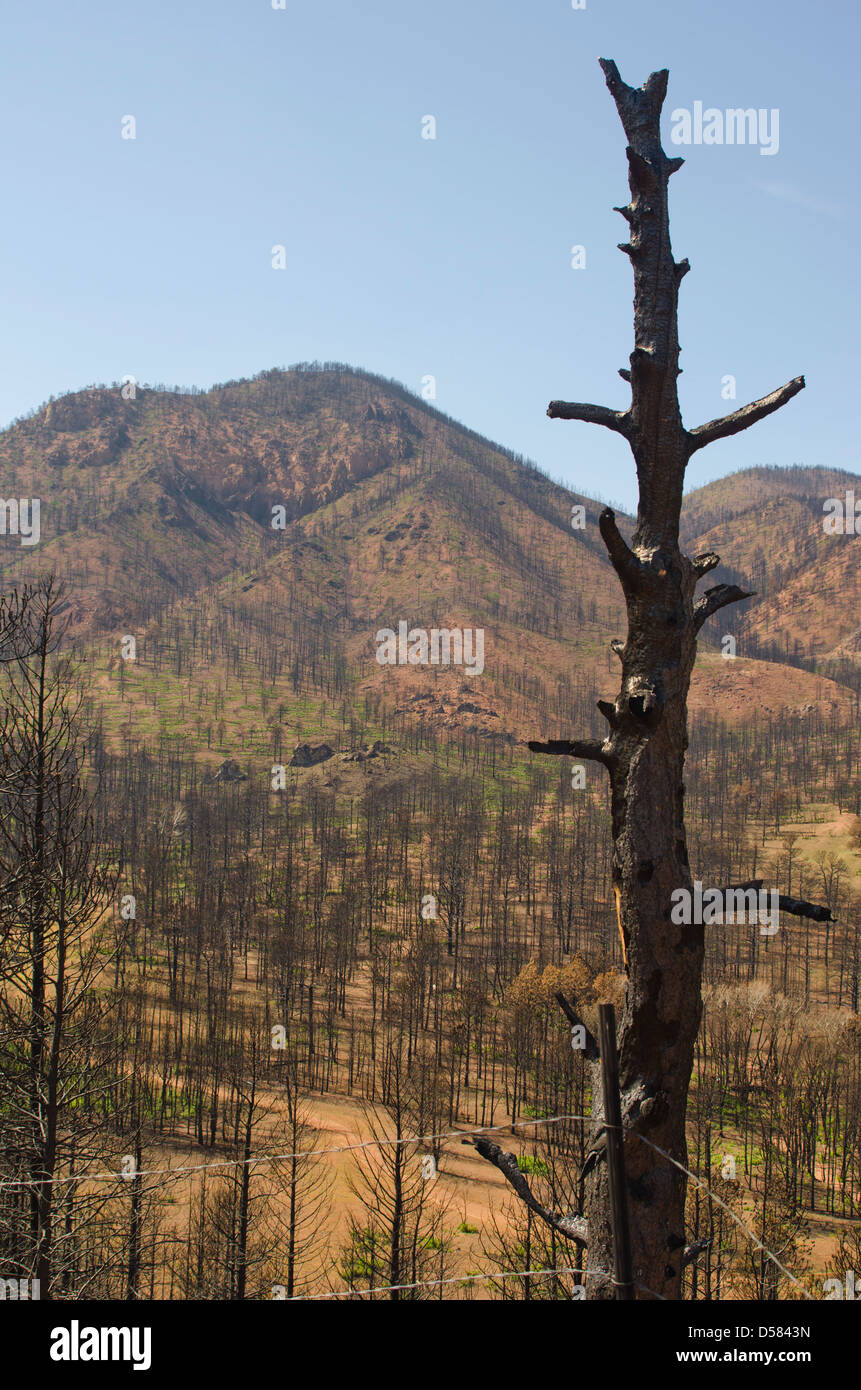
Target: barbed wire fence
<point>177,1172</point>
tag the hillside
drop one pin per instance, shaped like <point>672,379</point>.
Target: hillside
<point>766,524</point>
<point>157,512</point>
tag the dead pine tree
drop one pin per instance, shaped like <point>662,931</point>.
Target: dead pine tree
<point>644,749</point>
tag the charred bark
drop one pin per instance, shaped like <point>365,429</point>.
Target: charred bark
<point>644,750</point>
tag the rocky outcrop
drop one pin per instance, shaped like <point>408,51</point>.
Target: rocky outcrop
<point>229,771</point>
<point>362,755</point>
<point>309,755</point>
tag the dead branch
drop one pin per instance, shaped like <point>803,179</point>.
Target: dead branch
<point>716,598</point>
<point>591,1050</point>
<point>796,907</point>
<point>703,563</point>
<point>623,559</point>
<point>572,748</point>
<point>617,420</point>
<point>744,418</point>
<point>572,1227</point>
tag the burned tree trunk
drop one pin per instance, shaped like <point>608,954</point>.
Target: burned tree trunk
<point>644,749</point>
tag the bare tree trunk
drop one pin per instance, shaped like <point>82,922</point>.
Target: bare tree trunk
<point>53,944</point>
<point>41,1193</point>
<point>241,1271</point>
<point>135,1226</point>
<point>644,750</point>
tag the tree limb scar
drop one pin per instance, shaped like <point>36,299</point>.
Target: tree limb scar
<point>618,898</point>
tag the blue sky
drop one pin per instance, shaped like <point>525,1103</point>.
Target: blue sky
<point>411,257</point>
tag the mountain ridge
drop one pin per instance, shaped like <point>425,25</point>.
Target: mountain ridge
<point>159,507</point>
